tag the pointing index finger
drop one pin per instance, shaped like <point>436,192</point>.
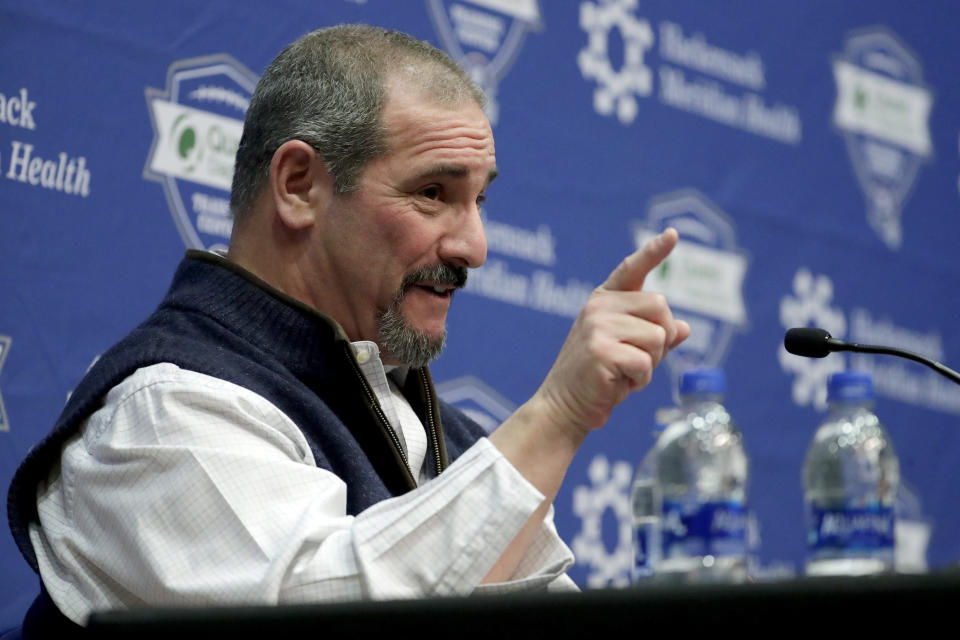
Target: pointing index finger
<point>632,271</point>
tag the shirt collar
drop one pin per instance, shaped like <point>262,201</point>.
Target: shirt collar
<point>368,354</point>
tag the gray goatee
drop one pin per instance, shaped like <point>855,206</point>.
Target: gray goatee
<point>400,340</point>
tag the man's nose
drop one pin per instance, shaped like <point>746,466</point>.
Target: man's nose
<point>465,243</point>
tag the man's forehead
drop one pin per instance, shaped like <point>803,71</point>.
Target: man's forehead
<point>451,140</point>
<point>406,105</point>
<point>431,121</point>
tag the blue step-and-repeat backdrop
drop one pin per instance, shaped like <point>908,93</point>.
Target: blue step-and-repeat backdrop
<point>807,151</point>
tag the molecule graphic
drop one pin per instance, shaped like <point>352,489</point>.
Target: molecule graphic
<point>810,307</point>
<point>610,489</point>
<point>617,88</point>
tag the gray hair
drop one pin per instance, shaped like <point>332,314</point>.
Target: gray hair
<point>328,90</point>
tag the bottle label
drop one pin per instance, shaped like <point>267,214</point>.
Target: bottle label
<point>865,529</point>
<point>701,529</point>
<point>643,540</point>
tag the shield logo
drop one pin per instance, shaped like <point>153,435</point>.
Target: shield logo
<point>5,342</point>
<point>485,37</point>
<point>197,123</point>
<point>883,111</point>
<point>702,278</point>
<point>481,402</point>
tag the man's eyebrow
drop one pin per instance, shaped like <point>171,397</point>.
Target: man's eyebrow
<point>453,171</point>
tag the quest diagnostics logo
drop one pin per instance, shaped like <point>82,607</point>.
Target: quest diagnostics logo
<point>197,123</point>
<point>702,278</point>
<point>485,38</point>
<point>883,112</point>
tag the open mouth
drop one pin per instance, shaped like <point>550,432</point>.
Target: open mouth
<point>439,290</point>
<point>439,281</point>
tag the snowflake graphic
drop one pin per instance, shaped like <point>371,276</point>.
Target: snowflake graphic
<point>617,88</point>
<point>610,489</point>
<point>810,307</point>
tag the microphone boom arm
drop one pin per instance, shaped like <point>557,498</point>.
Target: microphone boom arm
<point>840,345</point>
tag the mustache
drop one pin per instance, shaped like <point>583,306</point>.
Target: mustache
<point>441,273</point>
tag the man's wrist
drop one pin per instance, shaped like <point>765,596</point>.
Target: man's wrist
<point>556,418</point>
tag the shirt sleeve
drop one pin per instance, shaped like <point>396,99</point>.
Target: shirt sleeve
<point>186,490</point>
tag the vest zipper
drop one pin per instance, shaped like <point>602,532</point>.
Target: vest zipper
<point>431,421</point>
<point>379,411</point>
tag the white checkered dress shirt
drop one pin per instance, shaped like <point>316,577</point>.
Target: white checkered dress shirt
<point>187,490</point>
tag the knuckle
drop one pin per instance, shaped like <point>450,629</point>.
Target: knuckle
<point>593,323</point>
<point>646,361</point>
<point>653,361</point>
<point>661,336</point>
<point>645,378</point>
<point>596,346</point>
<point>644,369</point>
<point>595,303</point>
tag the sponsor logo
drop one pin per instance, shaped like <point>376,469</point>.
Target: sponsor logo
<point>5,342</point>
<point>197,123</point>
<point>810,305</point>
<point>478,400</point>
<point>616,89</point>
<point>609,489</point>
<point>16,110</point>
<point>702,278</point>
<point>883,111</point>
<point>692,528</point>
<point>540,289</point>
<point>66,174</point>
<point>485,37</point>
<point>689,73</point>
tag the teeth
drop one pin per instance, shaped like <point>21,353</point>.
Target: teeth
<point>440,290</point>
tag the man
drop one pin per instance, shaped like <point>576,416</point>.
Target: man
<point>271,434</point>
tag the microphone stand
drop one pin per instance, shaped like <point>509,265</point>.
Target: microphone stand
<point>811,342</point>
<point>840,345</point>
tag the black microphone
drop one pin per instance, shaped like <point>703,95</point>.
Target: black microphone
<point>817,343</point>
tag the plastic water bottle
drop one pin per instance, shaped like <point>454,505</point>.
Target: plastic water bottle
<point>850,479</point>
<point>645,500</point>
<point>702,476</point>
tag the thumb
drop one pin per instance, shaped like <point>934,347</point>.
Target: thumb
<point>630,274</point>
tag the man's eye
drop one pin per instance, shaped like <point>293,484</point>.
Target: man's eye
<point>431,193</point>
<point>481,199</point>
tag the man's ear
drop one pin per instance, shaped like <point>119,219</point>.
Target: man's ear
<point>300,184</point>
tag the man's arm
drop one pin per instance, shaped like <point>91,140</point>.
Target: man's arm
<point>185,489</point>
<point>619,338</point>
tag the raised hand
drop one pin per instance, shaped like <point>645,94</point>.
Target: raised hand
<point>619,338</point>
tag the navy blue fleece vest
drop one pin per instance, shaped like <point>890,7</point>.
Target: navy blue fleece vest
<point>219,320</point>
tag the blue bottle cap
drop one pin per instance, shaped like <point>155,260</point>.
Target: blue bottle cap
<point>703,381</point>
<point>849,386</point>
